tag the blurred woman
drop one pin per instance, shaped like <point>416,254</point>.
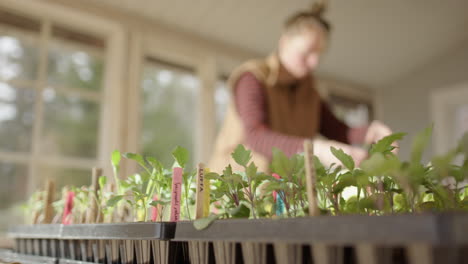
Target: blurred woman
<point>275,102</point>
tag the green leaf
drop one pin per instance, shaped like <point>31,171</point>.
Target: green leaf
<point>241,211</point>
<point>378,164</point>
<point>203,223</point>
<point>328,179</point>
<point>367,203</point>
<point>156,164</point>
<point>275,186</point>
<point>102,182</point>
<point>457,173</point>
<point>115,158</point>
<point>114,200</point>
<point>351,205</point>
<point>125,184</point>
<point>280,163</point>
<point>429,206</point>
<point>227,172</point>
<point>136,157</point>
<point>212,176</point>
<point>181,156</point>
<point>385,144</point>
<point>251,171</point>
<point>241,155</point>
<point>260,177</point>
<point>319,168</point>
<point>442,164</point>
<point>345,159</point>
<point>362,179</point>
<point>400,203</point>
<point>345,180</point>
<point>419,144</point>
<point>158,202</point>
<point>236,178</point>
<point>136,191</point>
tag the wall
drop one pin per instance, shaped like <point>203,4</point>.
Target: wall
<point>406,103</point>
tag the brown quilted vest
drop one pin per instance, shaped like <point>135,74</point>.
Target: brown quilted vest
<point>292,112</point>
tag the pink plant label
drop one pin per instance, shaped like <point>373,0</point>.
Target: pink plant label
<point>154,210</point>
<point>67,211</point>
<point>176,194</point>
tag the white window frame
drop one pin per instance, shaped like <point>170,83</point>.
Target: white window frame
<point>440,102</point>
<point>109,137</point>
<point>204,65</point>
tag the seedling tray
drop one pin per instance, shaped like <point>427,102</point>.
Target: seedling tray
<point>425,238</point>
<point>116,243</point>
<point>385,230</point>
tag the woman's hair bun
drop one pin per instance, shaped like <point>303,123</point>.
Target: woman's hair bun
<point>315,13</point>
<point>318,8</point>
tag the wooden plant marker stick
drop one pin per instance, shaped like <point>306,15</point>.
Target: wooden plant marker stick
<point>91,216</point>
<point>37,213</point>
<point>321,253</point>
<point>200,193</point>
<point>49,199</point>
<point>206,198</point>
<point>176,194</point>
<point>198,248</point>
<point>311,178</point>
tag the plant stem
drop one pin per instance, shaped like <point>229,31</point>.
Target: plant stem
<point>145,212</point>
<point>187,205</point>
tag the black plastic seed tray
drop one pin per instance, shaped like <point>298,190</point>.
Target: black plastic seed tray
<point>444,229</point>
<point>69,261</point>
<point>118,231</point>
<point>10,256</point>
<point>36,231</point>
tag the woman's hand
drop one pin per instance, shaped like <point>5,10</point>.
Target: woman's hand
<point>376,131</point>
<point>358,155</point>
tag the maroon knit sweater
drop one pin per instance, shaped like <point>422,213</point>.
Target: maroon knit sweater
<point>250,100</point>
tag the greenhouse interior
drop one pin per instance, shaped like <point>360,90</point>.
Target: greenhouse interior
<point>225,132</point>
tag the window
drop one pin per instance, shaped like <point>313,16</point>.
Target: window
<point>450,117</point>
<point>461,121</point>
<point>353,112</point>
<point>221,98</point>
<point>50,107</point>
<point>169,107</point>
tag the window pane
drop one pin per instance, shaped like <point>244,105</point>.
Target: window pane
<point>18,57</point>
<point>458,118</point>
<point>222,96</point>
<point>461,121</point>
<point>353,113</point>
<point>74,68</point>
<point>12,192</point>
<point>16,118</point>
<point>169,107</point>
<point>65,176</point>
<point>70,125</point>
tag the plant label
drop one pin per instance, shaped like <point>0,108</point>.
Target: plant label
<point>67,210</point>
<point>206,198</point>
<point>200,193</point>
<point>176,194</point>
